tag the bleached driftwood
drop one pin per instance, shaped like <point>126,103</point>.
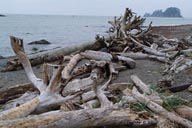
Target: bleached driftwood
<point>107,57</point>
<point>82,118</point>
<point>184,111</point>
<point>66,73</point>
<point>139,55</point>
<point>160,110</point>
<point>14,92</point>
<point>51,55</point>
<point>49,94</point>
<point>148,49</point>
<point>82,84</point>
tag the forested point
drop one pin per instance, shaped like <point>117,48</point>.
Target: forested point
<point>169,12</point>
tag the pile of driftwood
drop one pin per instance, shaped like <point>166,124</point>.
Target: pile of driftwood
<point>80,91</point>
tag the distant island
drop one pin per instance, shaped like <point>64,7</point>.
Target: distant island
<point>169,12</point>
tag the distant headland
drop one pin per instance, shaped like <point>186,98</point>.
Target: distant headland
<point>169,12</point>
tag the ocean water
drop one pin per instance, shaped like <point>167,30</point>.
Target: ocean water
<point>60,30</point>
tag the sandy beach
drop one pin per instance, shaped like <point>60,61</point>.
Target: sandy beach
<point>148,70</point>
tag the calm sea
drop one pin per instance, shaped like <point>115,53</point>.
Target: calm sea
<point>61,31</point>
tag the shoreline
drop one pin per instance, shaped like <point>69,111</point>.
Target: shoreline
<point>174,32</point>
<point>149,73</point>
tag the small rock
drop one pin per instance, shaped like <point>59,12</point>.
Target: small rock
<point>43,41</point>
<point>190,88</point>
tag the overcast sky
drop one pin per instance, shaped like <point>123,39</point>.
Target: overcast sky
<point>91,7</point>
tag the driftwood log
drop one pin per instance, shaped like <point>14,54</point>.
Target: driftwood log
<point>81,119</point>
<point>51,55</point>
<point>184,111</point>
<point>50,88</point>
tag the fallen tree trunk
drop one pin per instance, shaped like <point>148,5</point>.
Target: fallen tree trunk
<point>81,118</point>
<point>15,92</point>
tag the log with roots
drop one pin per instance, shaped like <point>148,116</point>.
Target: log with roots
<point>49,94</point>
<point>123,25</point>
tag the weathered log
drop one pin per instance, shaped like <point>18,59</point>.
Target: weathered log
<point>160,110</point>
<point>45,75</point>
<point>77,85</point>
<point>184,111</point>
<point>88,67</point>
<point>66,73</point>
<point>154,97</point>
<point>21,111</point>
<point>140,84</point>
<point>180,64</point>
<point>177,47</point>
<point>82,118</point>
<point>186,65</point>
<point>49,94</point>
<point>148,49</point>
<point>187,52</point>
<point>27,96</point>
<point>97,55</point>
<point>100,94</point>
<point>14,92</point>
<point>50,55</point>
<point>17,46</point>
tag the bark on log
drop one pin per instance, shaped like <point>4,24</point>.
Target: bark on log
<point>81,118</point>
<point>14,92</point>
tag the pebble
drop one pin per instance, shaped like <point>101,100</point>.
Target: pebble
<point>190,88</point>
